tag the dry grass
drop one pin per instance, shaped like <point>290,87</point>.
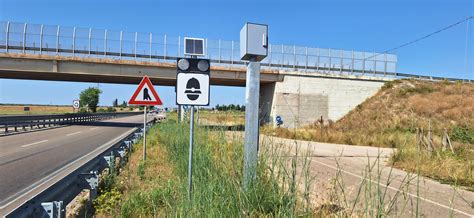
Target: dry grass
<point>391,117</point>
<point>227,118</point>
<point>18,109</point>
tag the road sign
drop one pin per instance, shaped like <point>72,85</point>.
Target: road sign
<point>75,104</point>
<point>192,89</point>
<point>145,94</point>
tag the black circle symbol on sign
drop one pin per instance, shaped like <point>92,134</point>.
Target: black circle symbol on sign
<point>193,89</point>
<point>146,96</point>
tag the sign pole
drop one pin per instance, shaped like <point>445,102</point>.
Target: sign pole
<point>252,90</point>
<point>190,162</point>
<point>144,133</point>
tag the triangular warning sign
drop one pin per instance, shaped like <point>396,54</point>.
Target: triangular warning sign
<point>145,94</point>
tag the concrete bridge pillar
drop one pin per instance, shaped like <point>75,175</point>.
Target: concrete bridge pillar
<point>302,100</point>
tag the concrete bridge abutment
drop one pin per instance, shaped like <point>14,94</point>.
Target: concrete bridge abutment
<point>302,99</point>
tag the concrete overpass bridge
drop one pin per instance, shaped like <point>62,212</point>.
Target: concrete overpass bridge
<point>301,84</point>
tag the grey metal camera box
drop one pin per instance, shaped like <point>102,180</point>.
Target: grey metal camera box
<point>254,42</point>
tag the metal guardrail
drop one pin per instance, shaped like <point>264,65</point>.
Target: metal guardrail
<point>84,176</point>
<point>100,43</point>
<point>30,122</point>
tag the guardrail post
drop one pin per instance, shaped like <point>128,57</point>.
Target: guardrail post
<point>270,54</point>
<point>57,40</point>
<point>121,37</point>
<point>73,40</point>
<point>330,61</point>
<point>342,61</point>
<point>294,57</point>
<point>150,44</point>
<point>41,39</point>
<point>375,63</point>
<point>105,43</point>
<point>52,209</point>
<point>90,36</point>
<point>136,37</point>
<point>6,36</point>
<point>232,53</point>
<point>24,37</point>
<point>219,51</point>
<point>352,64</point>
<point>164,47</point>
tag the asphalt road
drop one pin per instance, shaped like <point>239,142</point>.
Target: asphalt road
<point>27,158</point>
<point>407,192</point>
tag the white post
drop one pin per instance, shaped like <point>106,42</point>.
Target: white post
<point>190,160</point>
<point>144,134</point>
<point>252,92</point>
<point>73,40</point>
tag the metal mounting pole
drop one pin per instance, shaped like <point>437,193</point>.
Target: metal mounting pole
<point>73,40</point>
<point>190,160</point>
<point>144,134</point>
<point>252,92</point>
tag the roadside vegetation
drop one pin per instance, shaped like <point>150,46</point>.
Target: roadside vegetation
<point>158,186</point>
<point>417,118</point>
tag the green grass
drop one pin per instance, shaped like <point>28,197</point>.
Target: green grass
<point>217,185</point>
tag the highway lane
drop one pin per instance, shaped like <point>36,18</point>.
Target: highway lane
<point>29,157</point>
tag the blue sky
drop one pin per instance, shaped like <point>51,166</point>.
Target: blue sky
<point>367,25</point>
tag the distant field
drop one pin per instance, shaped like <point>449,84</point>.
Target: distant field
<point>40,109</point>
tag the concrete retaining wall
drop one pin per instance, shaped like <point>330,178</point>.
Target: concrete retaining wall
<point>302,99</point>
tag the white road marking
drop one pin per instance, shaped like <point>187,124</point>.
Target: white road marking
<point>395,189</point>
<point>34,143</point>
<point>74,133</point>
<point>94,128</point>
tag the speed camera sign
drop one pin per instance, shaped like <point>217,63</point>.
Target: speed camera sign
<point>192,89</point>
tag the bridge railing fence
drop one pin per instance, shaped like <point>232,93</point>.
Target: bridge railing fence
<point>103,43</point>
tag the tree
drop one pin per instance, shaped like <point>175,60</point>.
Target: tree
<point>124,104</point>
<point>115,103</point>
<point>90,98</point>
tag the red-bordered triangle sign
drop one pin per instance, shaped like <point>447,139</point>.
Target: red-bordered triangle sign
<point>145,94</point>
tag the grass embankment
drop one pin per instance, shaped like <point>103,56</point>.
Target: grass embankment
<point>158,186</point>
<point>393,117</point>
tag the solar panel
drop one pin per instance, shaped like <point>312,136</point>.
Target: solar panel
<point>194,46</point>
